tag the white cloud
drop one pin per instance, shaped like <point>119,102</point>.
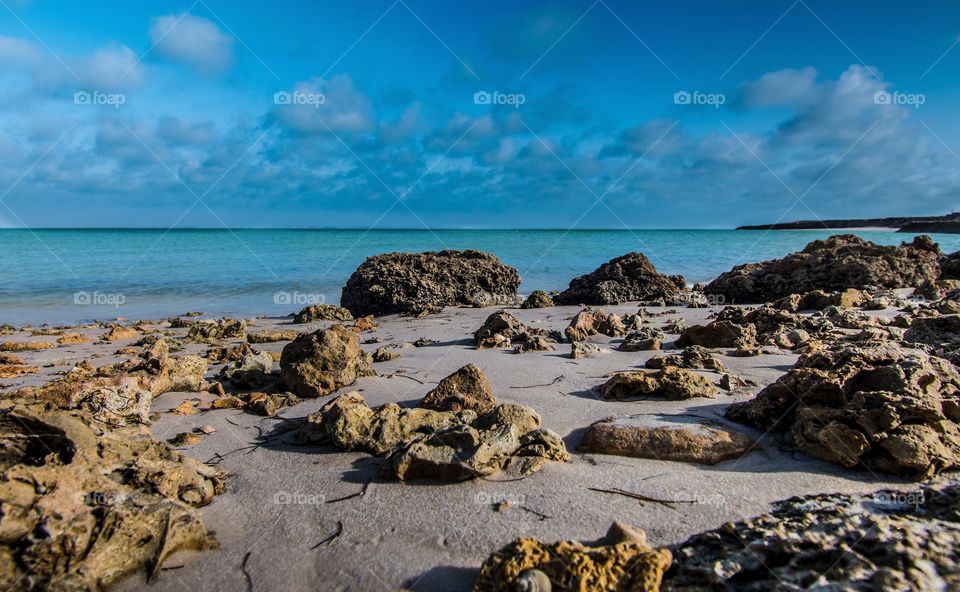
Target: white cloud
<point>320,106</point>
<point>194,41</point>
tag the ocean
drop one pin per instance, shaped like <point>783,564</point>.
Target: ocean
<point>67,276</point>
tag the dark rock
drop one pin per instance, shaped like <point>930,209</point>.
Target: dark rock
<point>421,283</point>
<point>322,312</point>
<point>671,383</point>
<point>628,278</point>
<point>537,299</point>
<point>719,334</point>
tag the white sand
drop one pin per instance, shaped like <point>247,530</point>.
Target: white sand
<point>434,537</point>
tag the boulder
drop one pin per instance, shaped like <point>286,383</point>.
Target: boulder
<point>671,383</point>
<point>693,357</point>
<point>719,334</point>
<point>210,331</point>
<point>249,372</point>
<point>120,333</point>
<point>318,363</point>
<point>835,264</point>
<point>623,561</point>
<point>950,267</point>
<point>499,330</point>
<point>876,405</point>
<point>537,299</point>
<point>584,349</point>
<point>628,278</point>
<point>590,321</point>
<point>693,443</point>
<point>70,522</point>
<point>467,388</point>
<point>422,283</point>
<point>643,339</point>
<point>532,343</point>
<point>384,354</point>
<point>887,540</point>
<point>322,312</point>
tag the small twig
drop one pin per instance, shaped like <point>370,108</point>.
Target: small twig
<point>641,497</point>
<point>246,575</point>
<point>553,382</point>
<point>360,493</point>
<point>331,537</point>
<point>405,376</point>
<point>539,515</point>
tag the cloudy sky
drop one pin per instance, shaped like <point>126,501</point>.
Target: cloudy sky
<point>502,114</point>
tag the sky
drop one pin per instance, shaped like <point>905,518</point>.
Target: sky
<point>493,114</point>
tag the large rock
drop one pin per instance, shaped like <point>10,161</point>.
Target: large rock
<point>249,372</point>
<point>82,505</point>
<point>420,283</point>
<point>876,405</point>
<point>835,264</point>
<point>590,321</point>
<point>671,383</point>
<point>467,388</point>
<point>719,334</point>
<point>621,562</point>
<point>446,445</point>
<point>694,443</point>
<point>322,312</point>
<point>950,267</point>
<point>319,363</point>
<point>888,540</point>
<point>628,278</point>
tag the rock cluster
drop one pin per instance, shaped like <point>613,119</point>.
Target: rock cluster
<point>69,522</point>
<point>671,383</point>
<point>695,443</point>
<point>888,540</point>
<point>444,445</point>
<point>210,331</point>
<point>322,312</point>
<point>835,264</point>
<point>318,363</point>
<point>628,278</point>
<point>876,405</point>
<point>591,321</point>
<point>422,283</point>
<point>622,561</point>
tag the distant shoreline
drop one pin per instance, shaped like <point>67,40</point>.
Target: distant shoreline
<point>948,224</point>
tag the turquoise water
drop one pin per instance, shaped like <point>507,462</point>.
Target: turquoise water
<point>60,276</point>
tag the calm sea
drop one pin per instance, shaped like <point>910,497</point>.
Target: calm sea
<point>60,276</point>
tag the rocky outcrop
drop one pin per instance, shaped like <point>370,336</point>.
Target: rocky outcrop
<point>718,334</point>
<point>888,540</point>
<point>622,561</point>
<point>467,388</point>
<point>835,264</point>
<point>819,300</point>
<point>537,299</point>
<point>421,283</point>
<point>70,522</point>
<point>591,321</point>
<point>694,443</point>
<point>671,383</point>
<point>876,405</point>
<point>428,444</point>
<point>941,333</point>
<point>210,331</point>
<point>628,278</point>
<point>322,312</point>
<point>321,362</point>
<point>950,267</point>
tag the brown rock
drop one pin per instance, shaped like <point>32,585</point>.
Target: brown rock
<point>72,339</point>
<point>467,388</point>
<point>384,354</point>
<point>120,333</point>
<point>321,362</point>
<point>24,346</point>
<point>591,321</point>
<point>693,443</point>
<point>628,278</point>
<point>272,336</point>
<point>672,383</point>
<point>719,334</point>
<point>322,312</point>
<point>537,299</point>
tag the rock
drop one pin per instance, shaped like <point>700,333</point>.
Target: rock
<point>187,407</point>
<point>424,342</point>
<point>537,299</point>
<point>364,324</point>
<point>384,354</point>
<point>693,357</point>
<point>502,329</point>
<point>72,339</point>
<point>421,283</point>
<point>24,346</point>
<point>531,343</point>
<point>729,382</point>
<point>584,349</point>
<point>70,523</point>
<point>671,383</point>
<point>694,443</point>
<point>950,267</point>
<point>719,334</point>
<point>643,339</point>
<point>943,333</point>
<point>15,371</point>
<point>876,405</point>
<point>834,264</point>
<point>11,359</point>
<point>423,443</point>
<point>318,363</point>
<point>210,331</point>
<point>207,429</point>
<point>627,565</point>
<point>888,540</point>
<point>184,439</point>
<point>590,321</point>
<point>819,300</point>
<point>322,312</point>
<point>268,404</point>
<point>220,354</point>
<point>467,388</point>
<point>223,402</point>
<point>747,351</point>
<point>250,372</point>
<point>120,333</point>
<point>628,278</point>
<point>272,336</point>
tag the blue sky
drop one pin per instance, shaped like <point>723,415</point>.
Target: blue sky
<point>166,113</point>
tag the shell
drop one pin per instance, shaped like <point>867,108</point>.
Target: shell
<point>532,580</point>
